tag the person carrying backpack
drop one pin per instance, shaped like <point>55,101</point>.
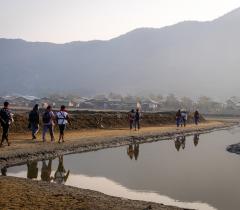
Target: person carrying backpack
<point>178,118</point>
<point>6,119</point>
<point>131,116</point>
<point>48,123</point>
<point>34,121</point>
<point>62,120</point>
<point>183,117</point>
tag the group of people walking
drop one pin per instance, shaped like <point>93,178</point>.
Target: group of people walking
<point>49,119</point>
<point>182,117</point>
<point>134,119</point>
<point>61,118</point>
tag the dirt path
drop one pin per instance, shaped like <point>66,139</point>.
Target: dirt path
<point>23,148</point>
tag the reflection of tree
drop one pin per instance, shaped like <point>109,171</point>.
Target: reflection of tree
<point>60,175</point>
<point>32,172</point>
<point>46,171</point>
<point>196,139</point>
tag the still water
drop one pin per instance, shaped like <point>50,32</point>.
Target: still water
<point>192,172</point>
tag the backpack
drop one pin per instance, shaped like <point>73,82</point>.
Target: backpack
<point>33,117</point>
<point>46,117</point>
<point>5,116</point>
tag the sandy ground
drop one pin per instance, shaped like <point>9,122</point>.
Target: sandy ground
<point>27,194</point>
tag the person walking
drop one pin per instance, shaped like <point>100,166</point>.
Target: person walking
<point>62,120</point>
<point>48,119</point>
<point>34,121</point>
<point>137,120</point>
<point>6,118</point>
<point>178,118</point>
<point>131,116</point>
<point>196,117</point>
<point>183,117</point>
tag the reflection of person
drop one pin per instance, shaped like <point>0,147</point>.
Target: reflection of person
<point>32,172</point>
<point>4,171</point>
<point>183,142</point>
<point>60,175</point>
<point>177,143</point>
<point>136,151</point>
<point>130,151</point>
<point>196,139</point>
<point>46,171</point>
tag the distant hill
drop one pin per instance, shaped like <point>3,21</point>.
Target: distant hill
<point>189,58</point>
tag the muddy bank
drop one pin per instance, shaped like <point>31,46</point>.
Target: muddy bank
<point>234,148</point>
<point>25,194</point>
<point>102,120</point>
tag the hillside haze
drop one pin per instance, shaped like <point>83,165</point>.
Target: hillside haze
<point>190,58</point>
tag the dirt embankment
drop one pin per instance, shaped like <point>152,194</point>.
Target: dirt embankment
<point>25,194</point>
<point>102,120</point>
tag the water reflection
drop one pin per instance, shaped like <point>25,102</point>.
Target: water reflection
<point>46,170</point>
<point>133,151</point>
<point>4,171</point>
<point>61,175</point>
<point>180,141</point>
<point>197,176</point>
<point>32,170</point>
<point>196,139</point>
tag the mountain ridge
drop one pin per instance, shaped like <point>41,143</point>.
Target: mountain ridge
<point>146,59</point>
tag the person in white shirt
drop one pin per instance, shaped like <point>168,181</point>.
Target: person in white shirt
<point>62,120</point>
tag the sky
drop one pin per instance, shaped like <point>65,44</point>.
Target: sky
<point>62,21</point>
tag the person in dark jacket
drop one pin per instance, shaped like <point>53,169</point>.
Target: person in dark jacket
<point>131,116</point>
<point>6,119</point>
<point>137,120</point>
<point>178,118</point>
<point>196,117</point>
<point>34,121</point>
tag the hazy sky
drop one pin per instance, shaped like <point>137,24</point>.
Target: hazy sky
<point>68,20</point>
